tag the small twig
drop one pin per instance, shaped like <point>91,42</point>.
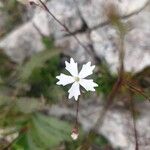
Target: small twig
<point>77,114</point>
<point>66,28</point>
<point>102,24</point>
<point>134,122</point>
<point>38,30</point>
<point>10,144</point>
<point>134,89</point>
<point>112,94</point>
<point>88,31</point>
<point>22,131</point>
<point>117,85</point>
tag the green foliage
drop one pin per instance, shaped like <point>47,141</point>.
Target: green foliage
<point>20,112</point>
<point>101,142</point>
<point>74,145</point>
<point>37,61</point>
<point>43,132</point>
<point>6,66</point>
<point>40,71</point>
<point>105,80</point>
<point>143,79</point>
<point>36,131</point>
<point>140,84</point>
<point>14,12</point>
<point>18,108</point>
<point>42,78</point>
<point>49,43</point>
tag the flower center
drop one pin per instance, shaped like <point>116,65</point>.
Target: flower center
<point>77,79</point>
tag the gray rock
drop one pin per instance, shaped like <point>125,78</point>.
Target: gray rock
<point>40,20</point>
<point>72,47</point>
<point>104,39</point>
<point>137,46</point>
<point>26,39</point>
<point>65,11</point>
<point>117,126</point>
<point>94,11</point>
<point>22,42</point>
<point>1,5</point>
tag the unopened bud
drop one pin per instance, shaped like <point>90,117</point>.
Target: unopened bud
<point>75,134</point>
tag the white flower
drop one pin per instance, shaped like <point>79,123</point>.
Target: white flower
<point>77,79</point>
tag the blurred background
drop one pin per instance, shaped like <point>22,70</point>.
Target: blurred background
<point>35,113</point>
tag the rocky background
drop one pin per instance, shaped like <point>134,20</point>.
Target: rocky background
<point>88,20</point>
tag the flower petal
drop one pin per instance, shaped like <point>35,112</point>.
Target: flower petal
<point>64,79</point>
<point>86,70</point>
<point>74,91</point>
<point>72,67</point>
<point>88,84</point>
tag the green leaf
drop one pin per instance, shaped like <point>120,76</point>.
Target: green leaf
<point>44,132</point>
<point>36,61</point>
<point>4,100</point>
<point>16,112</point>
<point>49,43</point>
<point>28,105</point>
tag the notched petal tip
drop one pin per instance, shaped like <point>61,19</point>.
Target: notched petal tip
<point>88,84</point>
<point>66,63</point>
<point>58,77</point>
<point>72,67</point>
<point>93,67</point>
<point>58,83</point>
<point>76,98</point>
<point>95,84</point>
<point>69,96</point>
<point>86,70</point>
<point>88,63</point>
<point>72,60</point>
<point>64,79</point>
<point>74,91</point>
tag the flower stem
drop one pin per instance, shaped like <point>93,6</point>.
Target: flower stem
<point>77,114</point>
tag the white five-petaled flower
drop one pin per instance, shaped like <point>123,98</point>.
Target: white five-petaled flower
<point>77,78</point>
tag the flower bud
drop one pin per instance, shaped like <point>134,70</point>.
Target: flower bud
<point>75,134</point>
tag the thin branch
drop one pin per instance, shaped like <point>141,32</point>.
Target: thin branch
<point>102,24</point>
<point>119,82</point>
<point>109,102</point>
<point>137,90</point>
<point>111,96</point>
<point>66,28</point>
<point>132,109</point>
<point>136,11</point>
<point>77,113</point>
<point>80,14</point>
<point>21,132</point>
<point>38,30</point>
<point>10,144</point>
<point>86,29</point>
